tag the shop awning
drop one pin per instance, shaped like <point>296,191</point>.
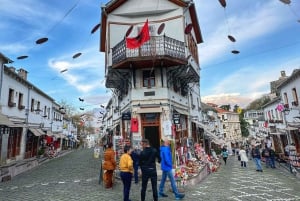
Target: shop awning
<point>181,111</point>
<point>218,141</point>
<point>149,110</point>
<point>289,128</point>
<point>206,129</point>
<point>295,125</point>
<point>36,131</point>
<point>53,134</point>
<point>5,121</point>
<point>278,133</point>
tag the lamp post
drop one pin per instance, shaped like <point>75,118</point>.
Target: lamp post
<point>286,111</point>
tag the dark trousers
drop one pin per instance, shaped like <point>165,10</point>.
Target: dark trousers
<point>126,179</point>
<point>136,173</point>
<point>149,173</point>
<point>225,160</point>
<point>243,164</point>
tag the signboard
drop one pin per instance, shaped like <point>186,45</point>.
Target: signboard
<point>126,116</point>
<point>176,118</point>
<point>167,128</point>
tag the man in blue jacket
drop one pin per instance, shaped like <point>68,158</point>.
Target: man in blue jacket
<point>166,167</point>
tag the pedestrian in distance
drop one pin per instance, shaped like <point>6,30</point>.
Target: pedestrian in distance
<point>135,155</point>
<point>272,158</point>
<point>148,158</point>
<point>255,152</point>
<point>224,153</point>
<point>109,165</point>
<point>243,156</point>
<point>166,167</point>
<point>266,154</point>
<point>126,171</point>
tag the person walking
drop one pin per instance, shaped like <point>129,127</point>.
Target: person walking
<point>272,158</point>
<point>166,167</point>
<point>243,156</point>
<point>109,165</point>
<point>224,153</point>
<point>135,155</point>
<point>148,166</point>
<point>266,154</point>
<point>126,170</point>
<point>255,152</point>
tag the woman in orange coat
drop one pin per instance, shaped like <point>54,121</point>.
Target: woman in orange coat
<point>109,165</point>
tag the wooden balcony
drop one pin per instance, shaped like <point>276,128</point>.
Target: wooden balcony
<point>158,51</point>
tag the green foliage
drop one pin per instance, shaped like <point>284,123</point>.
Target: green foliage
<point>226,107</point>
<point>244,125</point>
<point>258,103</point>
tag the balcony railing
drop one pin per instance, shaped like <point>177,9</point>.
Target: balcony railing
<point>156,47</point>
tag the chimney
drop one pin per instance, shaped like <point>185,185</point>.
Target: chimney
<point>282,73</point>
<point>22,73</point>
<point>13,69</point>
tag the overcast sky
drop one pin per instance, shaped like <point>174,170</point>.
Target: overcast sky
<point>266,32</point>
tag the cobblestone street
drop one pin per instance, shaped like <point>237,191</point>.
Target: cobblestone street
<point>75,176</point>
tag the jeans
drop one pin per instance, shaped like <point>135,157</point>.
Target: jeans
<point>268,162</point>
<point>149,173</point>
<point>164,176</point>
<point>126,179</point>
<point>257,163</point>
<point>272,161</point>
<point>136,173</point>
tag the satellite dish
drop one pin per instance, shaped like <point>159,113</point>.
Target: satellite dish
<point>223,3</point>
<point>235,52</point>
<point>22,57</point>
<point>41,40</point>
<point>231,38</point>
<point>188,28</point>
<point>285,1</point>
<point>160,28</point>
<point>77,55</point>
<point>95,28</point>
<point>129,31</point>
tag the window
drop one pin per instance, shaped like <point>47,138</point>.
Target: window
<point>32,105</point>
<point>45,111</point>
<point>149,78</point>
<point>11,94</point>
<point>48,112</point>
<point>20,102</point>
<point>38,107</point>
<point>285,100</point>
<point>295,97</point>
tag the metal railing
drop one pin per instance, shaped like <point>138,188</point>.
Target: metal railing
<point>156,46</point>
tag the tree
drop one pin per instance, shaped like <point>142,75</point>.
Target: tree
<point>68,108</point>
<point>226,107</point>
<point>244,125</point>
<point>258,103</point>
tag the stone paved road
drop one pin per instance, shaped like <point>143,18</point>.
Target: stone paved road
<point>75,177</point>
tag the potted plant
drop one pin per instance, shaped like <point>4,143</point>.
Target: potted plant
<point>41,152</point>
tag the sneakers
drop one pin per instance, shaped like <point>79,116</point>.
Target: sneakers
<point>179,196</point>
<point>162,195</point>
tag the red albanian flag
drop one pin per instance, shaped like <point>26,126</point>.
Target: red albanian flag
<point>139,40</point>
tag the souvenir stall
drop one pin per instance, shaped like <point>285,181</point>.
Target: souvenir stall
<point>192,163</point>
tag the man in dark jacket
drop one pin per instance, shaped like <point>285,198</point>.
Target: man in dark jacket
<point>148,166</point>
<point>135,155</point>
<point>166,167</point>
